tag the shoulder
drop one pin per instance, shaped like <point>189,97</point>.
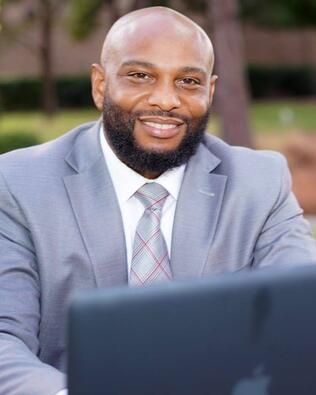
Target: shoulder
<point>241,160</point>
<point>255,174</point>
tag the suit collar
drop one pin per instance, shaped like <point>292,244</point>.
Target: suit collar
<point>86,150</point>
<point>197,214</point>
<point>204,158</point>
<point>95,206</point>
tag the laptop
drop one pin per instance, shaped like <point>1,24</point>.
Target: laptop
<point>248,333</point>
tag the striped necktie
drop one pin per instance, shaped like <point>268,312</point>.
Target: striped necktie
<point>150,260</point>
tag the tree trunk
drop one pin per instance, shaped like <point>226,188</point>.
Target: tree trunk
<point>232,93</point>
<point>49,100</point>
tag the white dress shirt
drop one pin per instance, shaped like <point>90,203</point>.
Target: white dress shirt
<point>126,182</point>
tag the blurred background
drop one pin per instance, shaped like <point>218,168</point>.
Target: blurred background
<point>265,58</point>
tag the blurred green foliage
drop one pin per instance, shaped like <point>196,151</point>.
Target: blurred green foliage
<point>25,93</point>
<point>74,91</point>
<point>12,141</point>
<point>268,13</point>
<point>20,93</point>
<point>83,16</point>
<point>45,128</point>
<point>279,13</point>
<point>281,81</point>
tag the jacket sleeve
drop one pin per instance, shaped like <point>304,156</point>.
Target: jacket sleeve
<point>286,235</point>
<point>21,371</point>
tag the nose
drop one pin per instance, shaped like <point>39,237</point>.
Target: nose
<point>164,96</point>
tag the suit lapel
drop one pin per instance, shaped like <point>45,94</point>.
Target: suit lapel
<point>96,209</point>
<point>197,213</point>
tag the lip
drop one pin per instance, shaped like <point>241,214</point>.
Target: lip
<point>164,132</point>
<point>162,120</point>
<point>161,133</point>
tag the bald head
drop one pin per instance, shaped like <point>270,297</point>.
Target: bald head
<point>155,23</point>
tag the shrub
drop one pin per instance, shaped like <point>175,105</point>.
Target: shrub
<point>74,92</point>
<point>12,141</point>
<point>281,81</point>
<point>20,94</point>
<point>25,93</point>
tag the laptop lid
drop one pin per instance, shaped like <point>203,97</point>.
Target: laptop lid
<point>249,333</point>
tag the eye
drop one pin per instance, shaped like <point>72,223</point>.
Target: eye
<point>189,81</point>
<point>139,76</point>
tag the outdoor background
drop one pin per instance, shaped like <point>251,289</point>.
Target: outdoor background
<point>265,58</point>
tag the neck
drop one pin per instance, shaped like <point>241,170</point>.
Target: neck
<point>149,174</point>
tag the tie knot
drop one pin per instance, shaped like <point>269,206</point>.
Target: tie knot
<point>152,196</point>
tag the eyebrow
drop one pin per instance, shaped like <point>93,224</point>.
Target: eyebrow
<point>186,69</point>
<point>138,63</point>
<point>190,69</point>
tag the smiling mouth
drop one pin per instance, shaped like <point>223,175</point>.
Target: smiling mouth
<point>162,128</point>
<point>160,125</point>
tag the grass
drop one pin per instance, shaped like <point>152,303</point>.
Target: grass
<point>272,118</point>
<point>45,128</point>
<point>283,117</point>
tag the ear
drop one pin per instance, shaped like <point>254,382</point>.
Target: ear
<point>98,85</point>
<point>214,78</point>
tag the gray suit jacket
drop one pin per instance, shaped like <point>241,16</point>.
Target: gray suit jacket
<point>61,231</point>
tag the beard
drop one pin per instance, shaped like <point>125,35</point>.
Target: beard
<point>119,130</point>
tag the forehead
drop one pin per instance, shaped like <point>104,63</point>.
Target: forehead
<point>163,44</point>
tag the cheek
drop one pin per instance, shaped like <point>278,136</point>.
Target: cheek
<point>125,96</point>
<point>197,106</point>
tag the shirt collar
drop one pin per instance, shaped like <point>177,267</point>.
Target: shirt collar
<point>127,181</point>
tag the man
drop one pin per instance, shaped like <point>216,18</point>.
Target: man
<point>72,213</point>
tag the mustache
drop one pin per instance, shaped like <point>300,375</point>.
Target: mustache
<point>159,113</point>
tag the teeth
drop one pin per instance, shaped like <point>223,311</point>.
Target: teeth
<point>160,125</point>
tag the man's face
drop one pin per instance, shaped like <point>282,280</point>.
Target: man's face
<point>157,88</point>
